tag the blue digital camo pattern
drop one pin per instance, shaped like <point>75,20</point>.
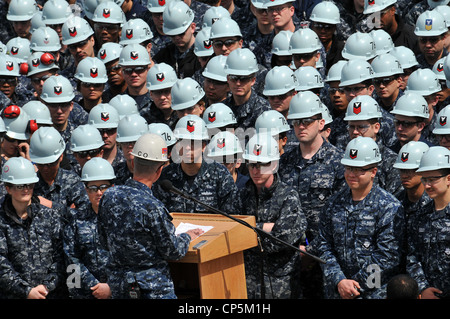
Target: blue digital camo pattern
<point>356,236</point>
<point>31,251</point>
<point>66,190</point>
<point>247,113</point>
<point>278,204</point>
<point>315,179</point>
<point>213,185</point>
<point>82,247</point>
<point>428,260</point>
<point>137,231</point>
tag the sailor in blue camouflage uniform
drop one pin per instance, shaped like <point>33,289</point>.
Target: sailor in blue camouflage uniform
<point>241,67</point>
<point>413,195</point>
<point>278,211</point>
<point>31,255</point>
<point>57,93</point>
<point>155,21</point>
<point>137,229</point>
<point>356,79</point>
<point>135,62</point>
<point>207,181</point>
<point>82,246</point>
<point>361,230</point>
<point>60,187</point>
<point>431,30</point>
<point>312,168</point>
<point>362,118</point>
<point>429,249</point>
<point>314,171</point>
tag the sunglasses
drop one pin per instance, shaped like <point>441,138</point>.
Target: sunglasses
<point>81,44</point>
<point>357,170</point>
<point>305,122</point>
<point>108,131</point>
<point>137,70</point>
<point>90,153</point>
<point>37,80</point>
<point>93,85</point>
<point>240,78</point>
<point>303,56</point>
<point>384,81</point>
<point>95,189</point>
<point>228,43</point>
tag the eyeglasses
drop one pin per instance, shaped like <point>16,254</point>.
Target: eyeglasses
<point>432,40</point>
<point>93,85</point>
<point>261,11</point>
<point>280,97</point>
<point>333,91</point>
<point>10,81</point>
<point>108,131</point>
<point>114,69</point>
<point>59,105</point>
<point>23,186</point>
<point>354,89</point>
<point>277,9</point>
<point>384,81</point>
<point>322,25</point>
<point>304,56</point>
<point>77,45</point>
<point>357,170</point>
<point>95,188</point>
<point>137,70</point>
<point>258,165</point>
<point>228,43</point>
<point>405,124</point>
<point>305,122</point>
<point>240,78</point>
<point>37,80</point>
<point>90,153</point>
<point>431,180</point>
<point>109,27</point>
<point>164,92</point>
<point>360,128</point>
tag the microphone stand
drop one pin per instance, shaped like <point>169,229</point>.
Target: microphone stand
<point>261,233</point>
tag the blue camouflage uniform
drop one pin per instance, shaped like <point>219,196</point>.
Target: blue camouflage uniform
<point>144,102</point>
<point>67,189</point>
<point>213,185</point>
<point>139,234</point>
<point>278,204</point>
<point>247,113</point>
<point>415,11</point>
<point>82,247</point>
<point>386,135</point>
<point>428,260</point>
<point>315,179</point>
<point>356,235</point>
<point>31,251</point>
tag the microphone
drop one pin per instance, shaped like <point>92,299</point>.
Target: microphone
<point>168,187</point>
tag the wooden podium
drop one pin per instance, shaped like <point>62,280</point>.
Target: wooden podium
<point>215,268</point>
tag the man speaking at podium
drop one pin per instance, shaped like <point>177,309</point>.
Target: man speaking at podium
<point>137,230</point>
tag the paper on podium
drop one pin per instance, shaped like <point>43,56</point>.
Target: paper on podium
<point>184,227</point>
